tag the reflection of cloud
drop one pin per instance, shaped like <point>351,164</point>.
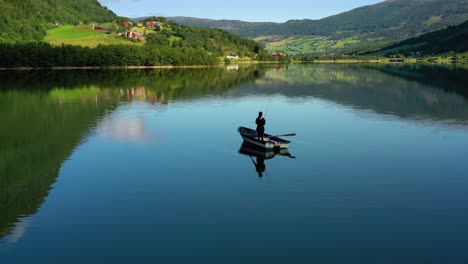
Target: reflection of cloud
<point>18,232</point>
<point>125,129</point>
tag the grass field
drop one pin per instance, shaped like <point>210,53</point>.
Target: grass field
<point>71,32</point>
<point>306,45</point>
<point>319,45</point>
<point>72,35</point>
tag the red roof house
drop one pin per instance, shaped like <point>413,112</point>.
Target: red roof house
<point>134,35</point>
<point>101,28</point>
<point>127,23</point>
<point>279,55</point>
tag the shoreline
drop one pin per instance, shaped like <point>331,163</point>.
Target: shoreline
<point>338,61</point>
<point>108,68</point>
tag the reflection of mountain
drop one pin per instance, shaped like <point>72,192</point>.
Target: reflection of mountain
<point>428,92</point>
<point>162,83</point>
<point>39,131</point>
<point>44,115</point>
<point>449,79</point>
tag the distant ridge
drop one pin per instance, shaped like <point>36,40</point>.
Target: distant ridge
<point>450,39</point>
<point>363,28</point>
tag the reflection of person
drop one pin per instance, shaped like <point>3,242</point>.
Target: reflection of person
<point>260,121</point>
<point>260,165</point>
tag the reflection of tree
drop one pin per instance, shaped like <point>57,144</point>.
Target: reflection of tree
<point>38,133</point>
<point>447,78</point>
<point>45,115</point>
<point>419,91</point>
<point>173,83</point>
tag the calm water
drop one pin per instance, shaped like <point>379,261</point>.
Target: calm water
<point>145,166</point>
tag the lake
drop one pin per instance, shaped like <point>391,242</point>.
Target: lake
<point>147,166</point>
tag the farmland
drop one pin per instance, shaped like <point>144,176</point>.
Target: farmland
<point>84,36</point>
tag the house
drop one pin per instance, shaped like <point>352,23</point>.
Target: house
<point>140,24</point>
<point>231,57</point>
<point>158,24</point>
<point>153,24</point>
<point>134,35</point>
<point>279,55</point>
<point>101,28</point>
<point>57,24</point>
<point>127,23</point>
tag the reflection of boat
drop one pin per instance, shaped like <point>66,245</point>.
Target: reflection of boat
<point>269,142</point>
<point>261,154</point>
<point>253,150</point>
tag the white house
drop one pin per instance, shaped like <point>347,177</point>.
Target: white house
<point>233,57</point>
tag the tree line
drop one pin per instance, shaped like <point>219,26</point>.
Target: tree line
<point>43,55</point>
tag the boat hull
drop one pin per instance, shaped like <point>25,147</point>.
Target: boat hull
<point>250,136</point>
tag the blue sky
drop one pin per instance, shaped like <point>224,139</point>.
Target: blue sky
<point>247,10</point>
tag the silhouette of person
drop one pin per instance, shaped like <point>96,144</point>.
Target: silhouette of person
<point>260,121</point>
<point>260,165</point>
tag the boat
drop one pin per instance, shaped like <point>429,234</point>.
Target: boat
<point>268,142</point>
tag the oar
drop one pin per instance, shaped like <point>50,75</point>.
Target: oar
<point>284,135</point>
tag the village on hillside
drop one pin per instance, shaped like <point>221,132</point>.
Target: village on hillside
<point>129,30</point>
<point>126,32</point>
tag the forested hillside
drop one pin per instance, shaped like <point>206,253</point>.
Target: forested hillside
<point>213,41</point>
<point>25,20</point>
<point>170,44</point>
<point>73,33</point>
<point>450,39</point>
<point>363,28</point>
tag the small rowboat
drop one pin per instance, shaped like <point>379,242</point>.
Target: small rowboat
<point>269,142</point>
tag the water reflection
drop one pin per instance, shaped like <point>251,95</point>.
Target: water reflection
<point>261,155</point>
<point>410,92</point>
<point>40,130</point>
<point>124,129</point>
<point>45,115</point>
<point>416,93</point>
<point>18,231</point>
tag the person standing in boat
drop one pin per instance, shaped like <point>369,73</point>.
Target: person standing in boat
<point>260,121</point>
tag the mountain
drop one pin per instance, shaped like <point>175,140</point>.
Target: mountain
<point>71,22</point>
<point>360,29</point>
<point>450,39</point>
<point>25,20</point>
<point>238,27</point>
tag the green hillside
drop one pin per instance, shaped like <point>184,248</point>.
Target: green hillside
<point>450,39</point>
<point>25,20</point>
<point>84,36</point>
<point>69,46</point>
<point>364,28</point>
